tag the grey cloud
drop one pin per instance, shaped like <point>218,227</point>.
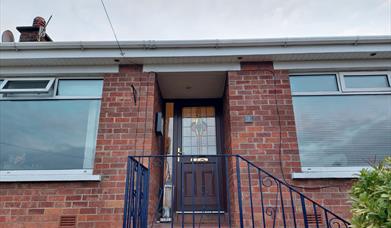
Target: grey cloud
<point>75,20</point>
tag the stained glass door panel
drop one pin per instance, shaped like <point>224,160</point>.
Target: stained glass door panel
<point>199,130</point>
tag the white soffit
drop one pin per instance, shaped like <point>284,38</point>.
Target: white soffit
<point>206,67</point>
<point>192,85</point>
<point>56,70</point>
<point>368,64</point>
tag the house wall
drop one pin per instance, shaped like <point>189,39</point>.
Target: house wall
<point>252,91</point>
<point>124,129</point>
<point>128,129</point>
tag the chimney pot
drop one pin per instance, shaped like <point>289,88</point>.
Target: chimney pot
<point>39,22</point>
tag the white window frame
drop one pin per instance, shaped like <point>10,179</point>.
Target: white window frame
<point>338,172</point>
<point>320,92</point>
<point>49,175</point>
<point>44,90</point>
<point>369,74</point>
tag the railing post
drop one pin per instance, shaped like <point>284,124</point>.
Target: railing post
<point>304,211</point>
<point>326,217</point>
<point>251,194</point>
<point>239,191</point>
<point>143,187</point>
<point>126,203</point>
<point>293,208</point>
<point>227,189</point>
<point>192,192</point>
<point>282,204</point>
<point>174,187</point>
<point>146,194</point>
<point>261,192</point>
<point>218,188</point>
<point>316,215</point>
<point>182,195</point>
<point>136,203</point>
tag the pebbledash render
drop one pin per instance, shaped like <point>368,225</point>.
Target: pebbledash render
<point>311,111</point>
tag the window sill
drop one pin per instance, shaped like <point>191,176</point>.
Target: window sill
<point>326,175</point>
<point>48,175</point>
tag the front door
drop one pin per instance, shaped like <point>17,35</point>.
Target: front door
<point>198,170</point>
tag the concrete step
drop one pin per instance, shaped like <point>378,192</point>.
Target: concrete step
<point>200,220</point>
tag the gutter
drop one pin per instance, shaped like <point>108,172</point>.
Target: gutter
<point>161,44</point>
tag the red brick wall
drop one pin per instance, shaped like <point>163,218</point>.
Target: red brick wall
<point>252,91</point>
<point>126,129</point>
<point>122,132</point>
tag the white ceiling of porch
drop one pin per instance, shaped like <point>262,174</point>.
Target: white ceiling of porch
<point>192,85</point>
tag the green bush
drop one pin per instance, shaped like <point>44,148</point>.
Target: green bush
<point>371,197</point>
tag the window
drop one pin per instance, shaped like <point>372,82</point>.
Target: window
<point>342,130</point>
<point>55,132</point>
<point>315,83</point>
<point>365,82</point>
<point>26,85</point>
<point>80,87</point>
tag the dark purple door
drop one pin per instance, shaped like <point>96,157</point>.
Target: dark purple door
<point>198,180</point>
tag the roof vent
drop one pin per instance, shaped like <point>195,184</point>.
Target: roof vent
<point>7,36</point>
<point>314,219</point>
<point>68,221</point>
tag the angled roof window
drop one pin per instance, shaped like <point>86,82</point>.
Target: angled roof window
<point>36,85</point>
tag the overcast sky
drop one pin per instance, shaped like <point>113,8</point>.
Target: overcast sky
<point>75,20</point>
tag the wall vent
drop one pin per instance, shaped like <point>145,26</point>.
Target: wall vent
<point>311,218</point>
<point>68,221</point>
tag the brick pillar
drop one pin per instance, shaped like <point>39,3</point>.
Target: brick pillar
<point>251,92</point>
<point>127,128</point>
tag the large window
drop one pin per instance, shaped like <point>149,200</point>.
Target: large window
<point>343,120</point>
<point>48,124</point>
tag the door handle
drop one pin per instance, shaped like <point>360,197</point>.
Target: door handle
<point>179,152</point>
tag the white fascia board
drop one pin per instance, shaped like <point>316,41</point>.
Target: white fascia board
<point>207,67</point>
<point>57,70</point>
<point>324,65</point>
<point>10,54</point>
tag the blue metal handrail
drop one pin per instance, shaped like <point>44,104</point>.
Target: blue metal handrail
<point>136,195</point>
<point>254,197</point>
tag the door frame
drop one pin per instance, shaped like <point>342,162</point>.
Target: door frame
<point>177,139</point>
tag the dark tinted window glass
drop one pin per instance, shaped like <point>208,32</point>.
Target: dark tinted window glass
<point>26,84</point>
<point>341,131</point>
<point>48,135</point>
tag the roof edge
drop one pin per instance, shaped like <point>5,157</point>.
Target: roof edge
<point>210,43</point>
